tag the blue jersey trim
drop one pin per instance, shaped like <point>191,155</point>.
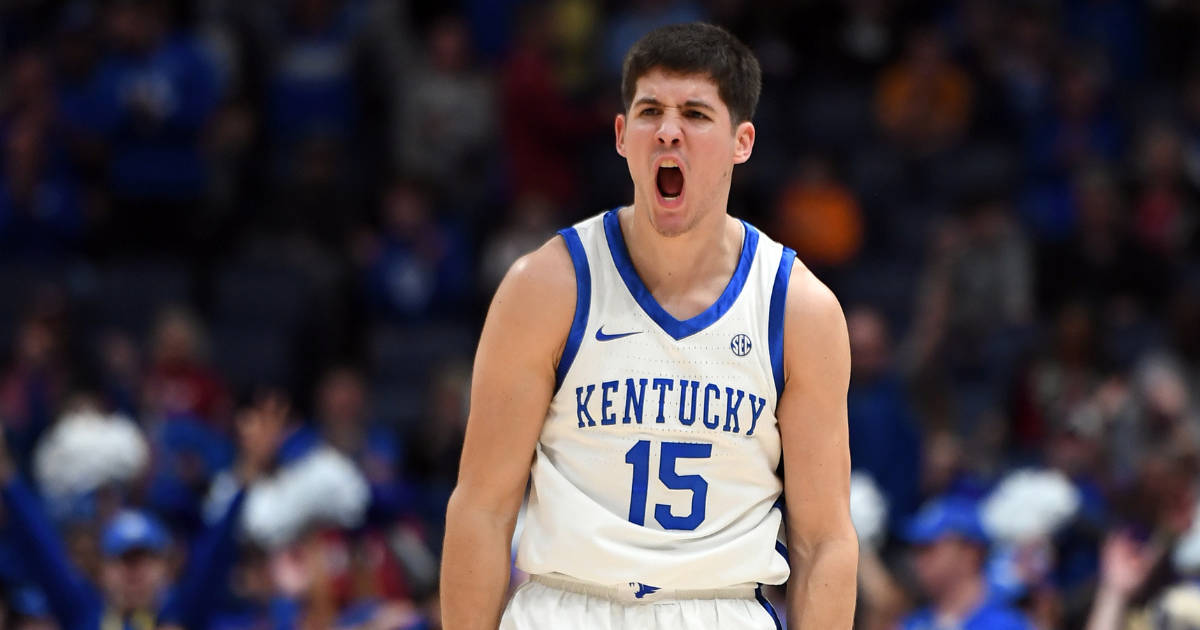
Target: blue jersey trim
<point>583,303</point>
<point>775,319</point>
<point>677,329</point>
<point>779,546</point>
<point>766,604</point>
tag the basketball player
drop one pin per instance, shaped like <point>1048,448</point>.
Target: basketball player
<point>654,364</point>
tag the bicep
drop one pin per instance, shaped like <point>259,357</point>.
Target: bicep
<point>514,376</point>
<point>812,414</point>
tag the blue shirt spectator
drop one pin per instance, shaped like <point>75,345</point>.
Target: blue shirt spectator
<point>885,439</point>
<point>420,267</point>
<point>313,87</point>
<point>155,94</point>
<point>991,615</point>
<point>187,453</point>
<point>951,550</point>
<point>41,218</point>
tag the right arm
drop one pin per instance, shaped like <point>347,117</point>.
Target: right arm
<point>1124,567</point>
<point>68,593</point>
<point>514,377</point>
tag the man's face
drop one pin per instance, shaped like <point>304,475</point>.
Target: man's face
<point>941,565</point>
<point>681,146</point>
<point>134,580</point>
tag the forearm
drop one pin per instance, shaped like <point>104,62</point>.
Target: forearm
<point>1108,611</point>
<point>475,565</point>
<point>821,591</point>
<point>207,571</point>
<point>68,594</point>
<point>882,598</point>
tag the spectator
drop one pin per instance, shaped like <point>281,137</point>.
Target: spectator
<point>529,226</point>
<point>1166,206</point>
<point>447,126</point>
<point>41,218</point>
<point>341,413</point>
<point>157,90</point>
<point>1155,420</point>
<point>923,102</point>
<point>1025,61</point>
<point>1056,384</point>
<point>951,549</point>
<point>1080,129</point>
<point>1101,261</point>
<point>885,439</point>
<point>314,89</point>
<point>436,444</point>
<point>819,217</point>
<point>978,282</point>
<point>121,372</point>
<point>179,383</point>
<point>30,88</point>
<point>417,268</point>
<point>77,57</point>
<point>541,126</point>
<point>33,385</point>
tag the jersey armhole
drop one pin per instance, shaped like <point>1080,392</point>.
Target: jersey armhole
<point>583,302</point>
<point>776,317</point>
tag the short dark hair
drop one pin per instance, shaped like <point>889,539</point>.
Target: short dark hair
<point>698,48</point>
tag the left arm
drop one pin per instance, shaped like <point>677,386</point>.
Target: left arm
<point>214,555</point>
<point>822,545</point>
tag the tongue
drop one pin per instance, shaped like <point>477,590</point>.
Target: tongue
<point>670,182</point>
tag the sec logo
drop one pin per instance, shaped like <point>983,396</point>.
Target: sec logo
<point>740,345</point>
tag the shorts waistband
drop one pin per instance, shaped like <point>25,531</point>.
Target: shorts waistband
<point>635,592</point>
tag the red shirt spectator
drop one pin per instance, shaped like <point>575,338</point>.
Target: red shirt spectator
<point>179,382</point>
<point>541,128</point>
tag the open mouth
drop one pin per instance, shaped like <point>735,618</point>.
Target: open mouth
<point>670,180</point>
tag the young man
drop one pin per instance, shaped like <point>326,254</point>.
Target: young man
<point>655,364</point>
<point>951,550</point>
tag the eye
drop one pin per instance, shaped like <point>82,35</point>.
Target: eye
<point>650,111</point>
<point>696,115</point>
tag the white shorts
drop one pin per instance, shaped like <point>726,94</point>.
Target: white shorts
<point>538,606</point>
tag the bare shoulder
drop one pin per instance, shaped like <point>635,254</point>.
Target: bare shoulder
<point>815,335</point>
<point>536,299</point>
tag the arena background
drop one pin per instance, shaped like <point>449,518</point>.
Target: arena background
<point>203,202</point>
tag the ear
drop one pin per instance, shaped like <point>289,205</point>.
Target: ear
<point>620,129</point>
<point>743,138</point>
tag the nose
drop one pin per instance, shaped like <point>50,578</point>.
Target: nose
<point>670,132</point>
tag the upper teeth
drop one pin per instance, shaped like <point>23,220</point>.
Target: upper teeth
<point>669,164</point>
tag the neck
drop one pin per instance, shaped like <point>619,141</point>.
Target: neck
<point>681,271</point>
<point>964,597</point>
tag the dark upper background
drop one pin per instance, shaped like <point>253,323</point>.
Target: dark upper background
<point>203,198</point>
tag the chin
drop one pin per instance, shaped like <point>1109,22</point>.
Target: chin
<point>671,222</point>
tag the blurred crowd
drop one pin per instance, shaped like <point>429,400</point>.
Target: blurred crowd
<point>210,206</point>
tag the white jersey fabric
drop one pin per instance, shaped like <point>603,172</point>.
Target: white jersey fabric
<point>537,606</point>
<point>656,466</point>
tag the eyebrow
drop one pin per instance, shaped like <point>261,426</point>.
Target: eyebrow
<point>692,102</point>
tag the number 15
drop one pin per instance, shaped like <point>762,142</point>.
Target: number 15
<point>639,458</point>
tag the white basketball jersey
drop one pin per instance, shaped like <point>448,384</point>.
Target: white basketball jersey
<point>656,466</point>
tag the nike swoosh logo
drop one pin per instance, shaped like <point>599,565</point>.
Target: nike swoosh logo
<point>600,336</point>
